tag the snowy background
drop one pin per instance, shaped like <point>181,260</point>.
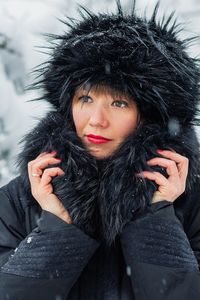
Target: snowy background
<point>22,24</point>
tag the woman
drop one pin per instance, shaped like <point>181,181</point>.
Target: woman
<point>106,205</point>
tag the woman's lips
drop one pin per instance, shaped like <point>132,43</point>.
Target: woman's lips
<point>97,139</point>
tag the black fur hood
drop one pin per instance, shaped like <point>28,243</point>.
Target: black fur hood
<point>145,59</point>
<point>101,196</point>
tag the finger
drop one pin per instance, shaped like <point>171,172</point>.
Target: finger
<point>47,154</point>
<point>35,168</point>
<point>181,161</point>
<point>48,174</point>
<point>34,176</point>
<point>170,165</point>
<point>178,158</point>
<point>41,154</point>
<point>155,176</point>
<point>38,166</point>
<point>41,157</point>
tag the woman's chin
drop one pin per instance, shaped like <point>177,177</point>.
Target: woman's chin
<point>99,154</point>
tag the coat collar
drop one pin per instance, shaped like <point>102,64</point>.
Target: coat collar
<point>101,195</point>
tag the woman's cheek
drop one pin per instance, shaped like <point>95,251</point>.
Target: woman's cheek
<point>127,126</point>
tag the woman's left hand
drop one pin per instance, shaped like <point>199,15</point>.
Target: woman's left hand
<point>177,168</point>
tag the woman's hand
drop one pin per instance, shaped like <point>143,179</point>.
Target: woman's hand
<point>41,187</point>
<point>177,168</point>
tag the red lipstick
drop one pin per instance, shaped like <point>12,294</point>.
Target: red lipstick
<point>97,139</point>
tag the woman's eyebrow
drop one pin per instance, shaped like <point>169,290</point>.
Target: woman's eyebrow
<point>123,97</point>
<point>83,95</point>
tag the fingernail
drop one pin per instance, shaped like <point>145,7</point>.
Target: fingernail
<point>53,152</point>
<point>159,150</point>
<point>58,158</point>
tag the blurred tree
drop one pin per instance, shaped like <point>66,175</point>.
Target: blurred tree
<point>5,172</point>
<point>4,154</point>
<point>12,62</point>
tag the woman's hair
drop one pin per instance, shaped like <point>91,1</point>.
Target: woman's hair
<point>140,57</point>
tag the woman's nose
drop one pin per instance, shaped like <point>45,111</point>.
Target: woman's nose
<point>99,118</point>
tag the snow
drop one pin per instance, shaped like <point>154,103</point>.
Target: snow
<point>173,127</point>
<point>128,270</point>
<point>29,240</point>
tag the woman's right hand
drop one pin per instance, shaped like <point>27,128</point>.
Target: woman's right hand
<point>41,186</point>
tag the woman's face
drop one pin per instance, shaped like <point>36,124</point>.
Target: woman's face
<point>103,119</point>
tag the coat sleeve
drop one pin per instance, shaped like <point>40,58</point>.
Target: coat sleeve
<point>46,263</point>
<point>159,257</point>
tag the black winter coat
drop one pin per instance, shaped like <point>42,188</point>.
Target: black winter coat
<point>156,258</point>
<point>120,246</point>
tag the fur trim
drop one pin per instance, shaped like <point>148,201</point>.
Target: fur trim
<point>100,196</point>
<point>142,57</point>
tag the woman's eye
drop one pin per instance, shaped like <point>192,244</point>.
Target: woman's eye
<point>120,103</point>
<point>84,99</point>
